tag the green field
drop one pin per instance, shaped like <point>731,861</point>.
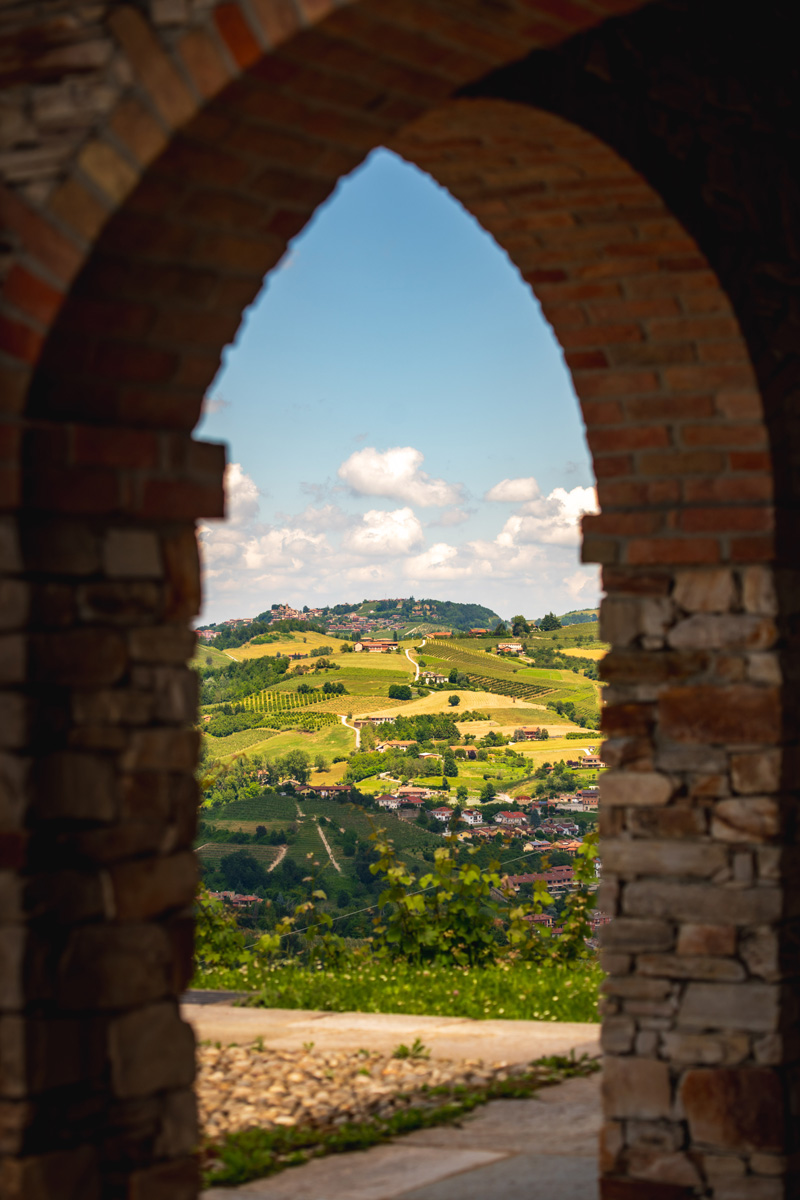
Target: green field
<point>331,741</point>
<point>214,851</point>
<point>235,743</point>
<point>206,656</point>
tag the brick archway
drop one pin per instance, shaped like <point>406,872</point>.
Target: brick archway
<point>129,275</point>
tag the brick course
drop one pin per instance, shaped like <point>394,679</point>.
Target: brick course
<point>137,233</point>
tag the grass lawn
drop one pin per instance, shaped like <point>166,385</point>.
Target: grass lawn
<point>513,991</point>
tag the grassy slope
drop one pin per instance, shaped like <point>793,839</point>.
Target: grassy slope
<point>206,656</point>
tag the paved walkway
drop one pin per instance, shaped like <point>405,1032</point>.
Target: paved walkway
<point>544,1148</point>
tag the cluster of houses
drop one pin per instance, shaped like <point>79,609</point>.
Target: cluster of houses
<point>236,899</point>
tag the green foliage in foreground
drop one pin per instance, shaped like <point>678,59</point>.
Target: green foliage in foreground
<point>255,1153</point>
<point>511,990</point>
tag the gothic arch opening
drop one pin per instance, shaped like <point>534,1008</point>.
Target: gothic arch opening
<point>112,330</point>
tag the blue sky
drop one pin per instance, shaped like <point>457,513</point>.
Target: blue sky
<point>399,419</point>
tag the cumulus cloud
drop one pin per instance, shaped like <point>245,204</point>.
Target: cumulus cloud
<point>381,534</point>
<point>552,520</point>
<point>453,516</point>
<point>514,491</point>
<point>584,582</point>
<point>395,474</point>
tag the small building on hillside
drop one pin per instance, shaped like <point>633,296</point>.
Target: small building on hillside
<point>527,733</point>
<point>387,801</point>
<point>513,819</point>
<point>471,816</point>
<point>360,722</point>
<point>432,677</point>
<point>593,760</point>
<point>442,814</point>
<point>325,791</point>
<point>440,634</point>
<point>514,648</point>
<point>393,745</point>
<point>374,646</point>
<point>477,632</point>
<point>468,751</point>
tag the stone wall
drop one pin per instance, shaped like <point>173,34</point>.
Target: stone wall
<point>157,157</point>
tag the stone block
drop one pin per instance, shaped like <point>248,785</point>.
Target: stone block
<point>151,1050</point>
<point>758,591</point>
<point>184,594</point>
<point>115,966</point>
<point>754,1007</point>
<point>671,966</point>
<point>162,644</point>
<point>750,819</point>
<point>162,750</point>
<point>77,787</point>
<point>705,591</point>
<point>14,720</point>
<point>120,603</point>
<point>148,887</point>
<point>735,1108</point>
<point>706,1049</point>
<point>132,554</point>
<point>634,936</point>
<point>635,856</point>
<point>674,822</point>
<point>736,714</point>
<point>14,771</point>
<point>703,903</point>
<point>707,939</point>
<point>78,658</point>
<point>13,941</point>
<point>69,1174</point>
<point>617,1034</point>
<point>729,632</point>
<point>752,774</point>
<point>178,1132</point>
<point>761,951</point>
<point>14,603</point>
<point>635,788</point>
<point>643,1189</point>
<point>58,547</point>
<point>166,1181</point>
<point>636,1088</point>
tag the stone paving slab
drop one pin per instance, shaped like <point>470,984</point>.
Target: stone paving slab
<point>446,1037</point>
<point>374,1174</point>
<point>533,1176</point>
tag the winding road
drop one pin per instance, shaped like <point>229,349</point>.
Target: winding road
<point>357,732</point>
<point>413,662</point>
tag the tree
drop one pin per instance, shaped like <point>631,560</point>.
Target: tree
<point>449,765</point>
<point>488,793</point>
<point>500,628</point>
<point>549,622</point>
<point>321,763</point>
<point>242,872</point>
<point>453,699</point>
<point>461,794</point>
<point>399,691</point>
<point>297,764</point>
<point>445,784</point>
<point>453,676</point>
<point>519,625</point>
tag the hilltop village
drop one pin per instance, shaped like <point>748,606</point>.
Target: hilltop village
<point>321,727</point>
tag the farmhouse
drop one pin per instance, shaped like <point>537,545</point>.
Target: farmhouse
<point>509,648</point>
<point>527,733</point>
<point>395,745</point>
<point>477,632</point>
<point>374,646</point>
<point>593,760</point>
<point>439,634</point>
<point>432,677</point>
<point>442,814</point>
<point>387,801</point>
<point>471,816</point>
<point>325,790</point>
<point>468,751</point>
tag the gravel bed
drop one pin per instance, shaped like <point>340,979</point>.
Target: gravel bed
<point>241,1087</point>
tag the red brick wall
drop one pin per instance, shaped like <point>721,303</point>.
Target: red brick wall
<point>140,219</point>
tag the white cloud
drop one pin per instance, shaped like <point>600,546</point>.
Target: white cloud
<point>552,520</point>
<point>583,580</point>
<point>241,496</point>
<point>382,534</point>
<point>453,516</point>
<point>395,474</point>
<point>514,491</point>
